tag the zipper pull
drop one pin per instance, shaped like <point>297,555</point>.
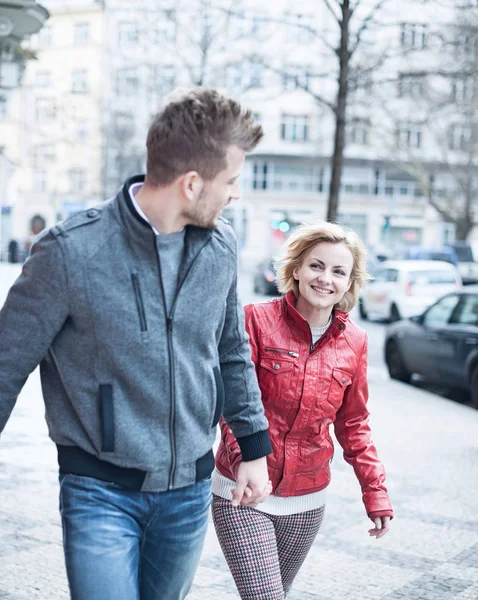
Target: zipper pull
<point>294,354</point>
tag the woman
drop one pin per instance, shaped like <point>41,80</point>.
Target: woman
<point>311,363</point>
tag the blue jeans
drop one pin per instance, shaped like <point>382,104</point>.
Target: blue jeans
<point>127,545</point>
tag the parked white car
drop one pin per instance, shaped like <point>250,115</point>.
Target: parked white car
<point>405,288</point>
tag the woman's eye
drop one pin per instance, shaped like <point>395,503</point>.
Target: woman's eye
<point>340,272</point>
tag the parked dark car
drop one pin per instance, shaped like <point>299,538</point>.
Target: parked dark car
<point>441,345</point>
<point>265,278</point>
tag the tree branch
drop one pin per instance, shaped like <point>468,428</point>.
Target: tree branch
<point>365,24</point>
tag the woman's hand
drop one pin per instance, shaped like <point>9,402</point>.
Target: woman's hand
<point>382,526</point>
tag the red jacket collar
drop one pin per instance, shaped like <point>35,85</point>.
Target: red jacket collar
<point>297,321</point>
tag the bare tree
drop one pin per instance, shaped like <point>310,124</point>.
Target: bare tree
<point>446,168</point>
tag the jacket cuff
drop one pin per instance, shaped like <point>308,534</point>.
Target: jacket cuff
<point>256,445</point>
<point>381,513</point>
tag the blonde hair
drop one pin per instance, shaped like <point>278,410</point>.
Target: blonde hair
<point>306,237</point>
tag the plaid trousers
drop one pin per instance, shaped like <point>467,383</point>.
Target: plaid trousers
<point>264,552</point>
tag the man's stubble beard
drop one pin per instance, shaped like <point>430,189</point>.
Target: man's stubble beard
<point>200,216</point>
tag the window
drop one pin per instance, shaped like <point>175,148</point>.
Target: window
<point>245,75</point>
<point>466,3</point>
<point>299,27</point>
<point>82,131</point>
<point>255,75</point>
<point>164,77</point>
<point>42,156</point>
<point>295,77</point>
<point>260,171</point>
<point>246,25</point>
<point>79,81</point>
<point>358,132</point>
<point>464,89</point>
<point>45,36</point>
<point>439,314</point>
<point>77,180</point>
<point>410,84</point>
<point>81,33</point>
<point>126,81</point>
<point>234,76</point>
<point>43,79</point>
<point>166,27</point>
<point>409,135</point>
<point>414,36</point>
<point>45,109</point>
<point>40,180</point>
<point>466,42</point>
<point>123,126</point>
<point>127,33</point>
<point>459,137</point>
<point>432,277</point>
<point>294,128</point>
<point>3,107</point>
<point>467,311</point>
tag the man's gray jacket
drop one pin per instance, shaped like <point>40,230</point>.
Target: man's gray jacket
<point>132,394</point>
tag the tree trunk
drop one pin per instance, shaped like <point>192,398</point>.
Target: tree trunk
<point>463,229</point>
<point>340,114</point>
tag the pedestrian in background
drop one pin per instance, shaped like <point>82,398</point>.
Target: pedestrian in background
<point>132,310</point>
<point>37,225</point>
<point>311,362</point>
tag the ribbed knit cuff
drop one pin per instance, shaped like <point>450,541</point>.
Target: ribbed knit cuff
<point>255,446</point>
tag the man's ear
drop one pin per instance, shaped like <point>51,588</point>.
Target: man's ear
<point>191,185</point>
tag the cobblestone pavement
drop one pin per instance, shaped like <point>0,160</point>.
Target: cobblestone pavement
<point>428,444</point>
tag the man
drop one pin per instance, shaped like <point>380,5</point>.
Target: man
<point>131,308</point>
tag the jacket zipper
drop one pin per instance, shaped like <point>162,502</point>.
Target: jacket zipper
<point>169,331</point>
<point>281,351</point>
<point>139,302</point>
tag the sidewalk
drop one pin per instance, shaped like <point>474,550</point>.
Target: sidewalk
<point>429,446</point>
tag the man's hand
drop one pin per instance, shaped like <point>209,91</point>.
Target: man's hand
<point>382,526</point>
<point>252,483</point>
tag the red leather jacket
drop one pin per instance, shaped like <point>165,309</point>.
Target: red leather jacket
<point>304,390</point>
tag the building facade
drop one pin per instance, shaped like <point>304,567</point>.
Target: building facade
<point>87,116</point>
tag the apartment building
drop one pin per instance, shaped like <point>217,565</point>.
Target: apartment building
<point>54,121</point>
<point>87,116</point>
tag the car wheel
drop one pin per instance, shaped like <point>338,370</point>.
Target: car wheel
<point>396,366</point>
<point>474,387</point>
<point>394,314</point>
<point>362,312</point>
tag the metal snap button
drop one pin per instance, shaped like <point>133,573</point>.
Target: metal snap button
<point>341,326</point>
<point>344,380</point>
<point>276,367</point>
<point>92,213</point>
<point>279,492</point>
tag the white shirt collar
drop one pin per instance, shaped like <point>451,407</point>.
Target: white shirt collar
<point>133,190</point>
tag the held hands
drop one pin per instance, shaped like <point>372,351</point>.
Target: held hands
<point>252,483</point>
<point>382,526</point>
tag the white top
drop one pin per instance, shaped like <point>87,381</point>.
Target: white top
<point>276,505</point>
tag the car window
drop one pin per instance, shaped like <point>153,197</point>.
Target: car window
<point>380,275</point>
<point>431,277</point>
<point>466,312</point>
<point>392,275</point>
<point>464,253</point>
<point>439,314</point>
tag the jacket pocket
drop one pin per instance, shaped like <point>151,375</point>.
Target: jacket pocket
<point>340,382</point>
<point>219,396</point>
<point>107,418</point>
<point>139,302</point>
<point>277,366</point>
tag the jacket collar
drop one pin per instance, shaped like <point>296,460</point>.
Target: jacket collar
<point>141,234</point>
<point>298,323</point>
